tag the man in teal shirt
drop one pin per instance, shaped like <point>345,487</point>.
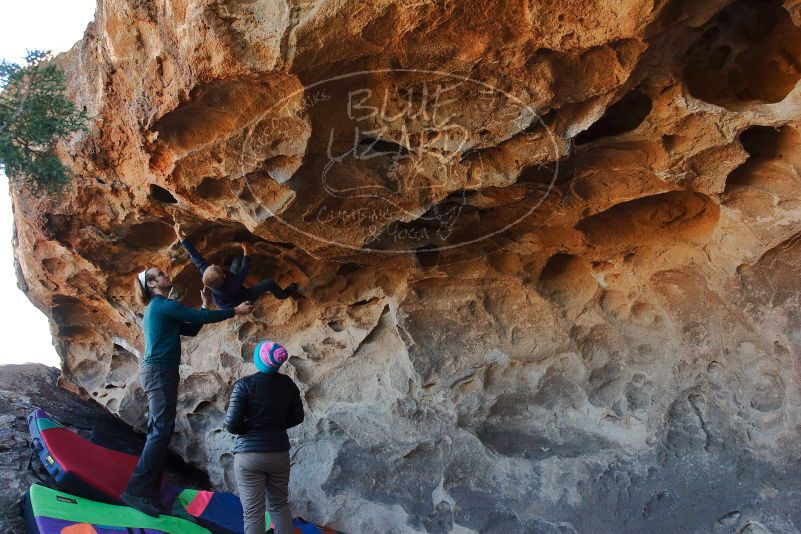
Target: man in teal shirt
<point>165,321</point>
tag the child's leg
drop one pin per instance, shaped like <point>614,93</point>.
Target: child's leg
<point>269,285</point>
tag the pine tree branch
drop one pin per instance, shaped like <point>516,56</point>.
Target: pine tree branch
<point>17,112</point>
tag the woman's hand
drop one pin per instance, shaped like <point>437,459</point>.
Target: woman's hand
<point>205,296</point>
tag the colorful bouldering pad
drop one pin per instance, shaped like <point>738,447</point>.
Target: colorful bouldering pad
<point>94,472</point>
<point>49,511</point>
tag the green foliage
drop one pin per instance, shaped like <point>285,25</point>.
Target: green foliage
<point>34,114</point>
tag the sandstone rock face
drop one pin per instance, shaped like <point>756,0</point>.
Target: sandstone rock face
<point>548,249</point>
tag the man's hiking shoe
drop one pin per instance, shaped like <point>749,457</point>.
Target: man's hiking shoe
<point>143,504</point>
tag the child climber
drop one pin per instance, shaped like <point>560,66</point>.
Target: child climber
<point>227,285</point>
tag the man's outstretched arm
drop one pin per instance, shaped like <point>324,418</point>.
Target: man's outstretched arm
<point>178,311</point>
<point>192,329</point>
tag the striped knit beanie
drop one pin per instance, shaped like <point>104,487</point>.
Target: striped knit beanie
<point>268,356</point>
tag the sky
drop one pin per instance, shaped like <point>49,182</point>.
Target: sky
<point>26,25</point>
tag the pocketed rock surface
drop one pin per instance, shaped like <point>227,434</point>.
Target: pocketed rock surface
<point>547,251</point>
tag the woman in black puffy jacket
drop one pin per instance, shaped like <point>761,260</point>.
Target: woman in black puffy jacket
<point>262,407</point>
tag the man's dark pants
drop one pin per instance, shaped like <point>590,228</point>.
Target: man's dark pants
<point>161,386</point>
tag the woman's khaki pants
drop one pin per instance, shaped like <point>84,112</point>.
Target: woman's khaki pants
<point>257,473</point>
